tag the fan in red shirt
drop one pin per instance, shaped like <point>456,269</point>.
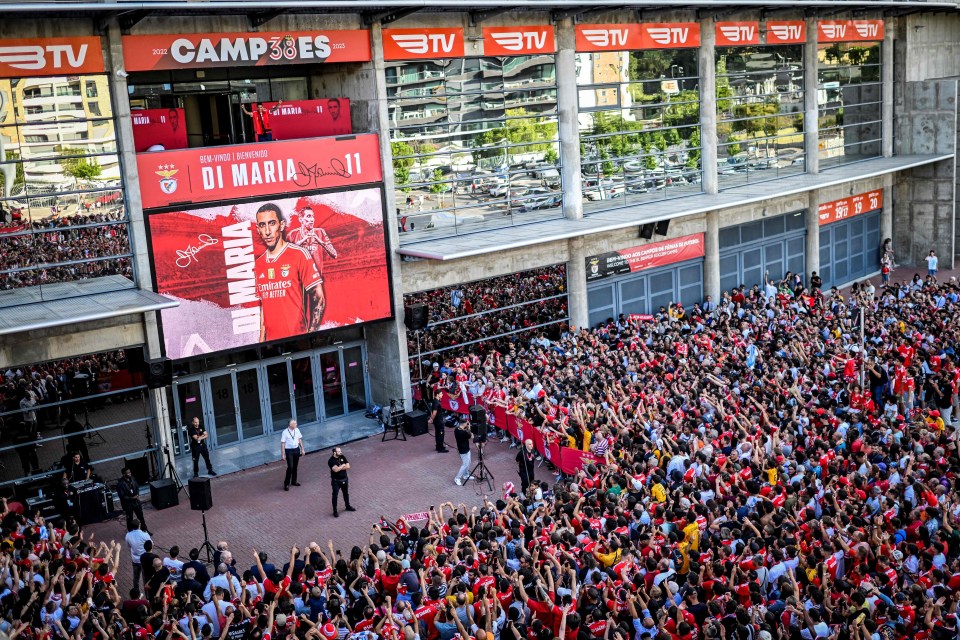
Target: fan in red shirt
<point>289,285</point>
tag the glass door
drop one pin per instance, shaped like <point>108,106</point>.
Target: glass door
<point>249,409</point>
<point>356,389</point>
<point>304,397</point>
<point>223,410</point>
<point>332,384</point>
<point>187,404</point>
<point>278,386</point>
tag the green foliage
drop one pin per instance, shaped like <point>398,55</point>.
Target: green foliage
<point>76,166</point>
<point>535,134</point>
<point>401,166</point>
<point>437,186</point>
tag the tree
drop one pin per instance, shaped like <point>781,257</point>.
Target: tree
<point>551,156</point>
<point>437,186</point>
<point>81,168</point>
<point>733,149</point>
<point>402,162</point>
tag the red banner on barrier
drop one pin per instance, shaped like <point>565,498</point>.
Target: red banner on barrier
<point>259,169</point>
<point>309,118</point>
<point>849,207</point>
<point>569,460</point>
<point>163,128</point>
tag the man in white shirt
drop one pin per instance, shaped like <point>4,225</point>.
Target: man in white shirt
<point>135,540</point>
<point>291,448</point>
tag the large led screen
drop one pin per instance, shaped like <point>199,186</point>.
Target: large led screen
<point>269,269</point>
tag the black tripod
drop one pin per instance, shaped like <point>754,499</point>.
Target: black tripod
<point>206,546</point>
<point>480,471</point>
<point>170,471</point>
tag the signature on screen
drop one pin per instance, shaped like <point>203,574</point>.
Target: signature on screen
<point>312,173</point>
<point>186,257</point>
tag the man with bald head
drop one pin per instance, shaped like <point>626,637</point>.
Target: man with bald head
<point>526,459</point>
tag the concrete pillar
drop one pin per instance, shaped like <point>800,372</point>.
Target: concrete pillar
<point>811,139</point>
<point>711,257</point>
<point>117,80</point>
<point>387,341</point>
<point>886,214</point>
<point>887,89</point>
<point>708,104</point>
<point>812,247</point>
<point>568,109</point>
<point>577,284</point>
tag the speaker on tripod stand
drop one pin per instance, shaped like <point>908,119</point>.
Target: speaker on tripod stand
<point>201,499</point>
<point>478,424</point>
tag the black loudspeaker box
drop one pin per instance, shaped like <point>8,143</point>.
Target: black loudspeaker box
<point>415,316</point>
<point>163,494</point>
<point>415,422</point>
<point>646,231</point>
<point>90,506</point>
<point>140,468</point>
<point>201,498</point>
<point>159,373</point>
<point>662,226</point>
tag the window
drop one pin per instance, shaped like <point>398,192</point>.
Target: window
<point>477,317</point>
<point>91,89</point>
<point>849,87</point>
<point>62,214</point>
<point>639,126</point>
<point>760,104</point>
<point>475,143</point>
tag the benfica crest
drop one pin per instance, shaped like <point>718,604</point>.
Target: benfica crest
<point>168,184</point>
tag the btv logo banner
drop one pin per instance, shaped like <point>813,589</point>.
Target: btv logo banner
<point>786,31</point>
<point>31,57</point>
<point>518,41</point>
<point>626,37</point>
<point>737,33</point>
<point>411,44</point>
<point>849,30</point>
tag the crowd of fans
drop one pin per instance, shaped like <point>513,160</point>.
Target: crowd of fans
<point>771,470</point>
<point>60,248</point>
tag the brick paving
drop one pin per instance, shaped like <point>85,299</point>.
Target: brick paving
<point>251,508</point>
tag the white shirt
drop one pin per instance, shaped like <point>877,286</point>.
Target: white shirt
<point>135,540</point>
<point>291,439</point>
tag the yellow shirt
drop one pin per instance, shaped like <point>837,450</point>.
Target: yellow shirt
<point>659,493</point>
<point>609,559</point>
<point>587,439</point>
<point>772,475</point>
<point>691,535</point>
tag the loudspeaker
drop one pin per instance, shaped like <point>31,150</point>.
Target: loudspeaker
<point>646,231</point>
<point>201,499</point>
<point>415,422</point>
<point>163,494</point>
<point>416,316</point>
<point>661,228</point>
<point>90,505</point>
<point>478,422</point>
<point>159,373</point>
<point>140,468</point>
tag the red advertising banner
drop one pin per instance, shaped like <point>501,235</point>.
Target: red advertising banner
<point>667,35</point>
<point>164,128</point>
<point>309,118</point>
<point>623,37</point>
<point>654,254</point>
<point>270,269</point>
<point>731,34</point>
<point>786,31</point>
<point>259,169</point>
<point>213,50</point>
<point>32,57</point>
<point>849,30</point>
<point>608,37</point>
<point>849,207</point>
<point>429,43</point>
<point>518,41</point>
